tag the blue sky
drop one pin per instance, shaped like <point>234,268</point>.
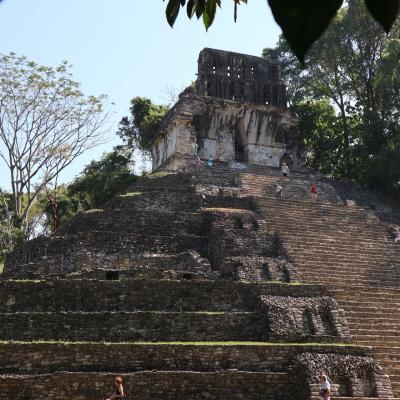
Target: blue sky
<point>125,48</point>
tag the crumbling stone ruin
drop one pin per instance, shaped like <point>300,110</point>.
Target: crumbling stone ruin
<point>235,111</point>
<point>201,284</point>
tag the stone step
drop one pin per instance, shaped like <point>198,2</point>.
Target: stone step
<point>372,246</point>
<point>319,220</point>
<point>146,385</point>
<point>373,302</point>
<point>359,301</point>
<point>338,277</point>
<point>40,357</point>
<point>332,244</point>
<point>364,292</point>
<point>392,366</point>
<point>134,326</point>
<point>382,323</point>
<point>358,316</point>
<point>102,242</point>
<point>367,276</point>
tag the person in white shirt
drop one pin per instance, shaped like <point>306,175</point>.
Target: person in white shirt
<point>285,171</point>
<point>278,191</point>
<point>324,388</point>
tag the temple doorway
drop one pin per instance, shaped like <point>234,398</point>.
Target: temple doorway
<point>287,160</point>
<point>239,145</point>
<point>239,151</point>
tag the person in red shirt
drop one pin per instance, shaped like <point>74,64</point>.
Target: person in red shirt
<point>314,193</point>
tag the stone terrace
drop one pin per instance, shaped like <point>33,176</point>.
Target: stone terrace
<point>204,286</point>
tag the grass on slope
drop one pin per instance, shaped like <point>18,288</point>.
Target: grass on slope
<point>271,344</point>
<point>130,194</point>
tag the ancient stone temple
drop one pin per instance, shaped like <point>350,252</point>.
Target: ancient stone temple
<point>235,111</point>
<point>201,284</point>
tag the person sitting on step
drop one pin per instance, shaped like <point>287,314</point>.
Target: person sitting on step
<point>325,387</point>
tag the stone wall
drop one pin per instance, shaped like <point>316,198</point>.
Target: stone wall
<point>45,357</point>
<point>240,77</point>
<point>235,232</point>
<point>100,266</point>
<point>149,385</point>
<point>73,253</point>
<point>133,326</point>
<point>131,295</point>
<point>154,200</point>
<point>141,222</point>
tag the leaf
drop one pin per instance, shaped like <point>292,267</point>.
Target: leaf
<point>303,21</point>
<point>172,11</point>
<point>209,13</point>
<point>384,11</point>
<point>200,7</point>
<point>191,8</point>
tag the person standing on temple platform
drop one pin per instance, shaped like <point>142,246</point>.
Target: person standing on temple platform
<point>285,171</point>
<point>194,148</point>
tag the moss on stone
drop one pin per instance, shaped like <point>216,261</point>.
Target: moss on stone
<point>93,210</point>
<point>130,194</point>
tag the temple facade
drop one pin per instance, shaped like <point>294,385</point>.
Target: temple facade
<point>236,110</point>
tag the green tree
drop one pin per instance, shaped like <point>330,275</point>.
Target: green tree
<point>357,73</point>
<point>102,180</point>
<point>9,235</point>
<point>99,182</point>
<point>138,130</point>
<point>58,206</point>
<point>46,122</point>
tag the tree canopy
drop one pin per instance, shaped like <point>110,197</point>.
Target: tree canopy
<point>138,129</point>
<point>46,122</point>
<point>347,98</point>
<point>98,182</point>
<point>302,21</point>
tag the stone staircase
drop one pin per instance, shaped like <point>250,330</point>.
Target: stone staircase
<point>349,250</point>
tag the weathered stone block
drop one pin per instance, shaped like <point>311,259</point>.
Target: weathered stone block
<point>257,269</point>
<point>304,318</point>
